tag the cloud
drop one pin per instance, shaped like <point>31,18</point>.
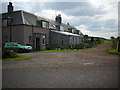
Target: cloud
<point>96,17</point>
<point>85,30</point>
<point>74,8</point>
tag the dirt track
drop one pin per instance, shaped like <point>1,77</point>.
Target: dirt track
<point>94,55</point>
<point>93,68</point>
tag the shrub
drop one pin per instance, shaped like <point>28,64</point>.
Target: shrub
<point>63,48</point>
<point>89,45</point>
<point>114,43</point>
<point>80,46</point>
<point>9,54</point>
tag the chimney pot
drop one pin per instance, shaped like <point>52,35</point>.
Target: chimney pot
<point>68,24</point>
<point>10,7</point>
<point>58,19</point>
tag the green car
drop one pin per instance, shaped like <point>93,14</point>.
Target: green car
<point>17,47</point>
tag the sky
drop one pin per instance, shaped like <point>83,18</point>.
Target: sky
<point>92,17</point>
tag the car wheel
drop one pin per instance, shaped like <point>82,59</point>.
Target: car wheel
<point>16,50</point>
<point>27,51</point>
<point>20,50</point>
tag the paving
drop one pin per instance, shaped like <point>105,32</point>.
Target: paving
<point>93,68</point>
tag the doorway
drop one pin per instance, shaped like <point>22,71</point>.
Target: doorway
<point>37,43</point>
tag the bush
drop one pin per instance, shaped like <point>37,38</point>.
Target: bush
<point>114,43</point>
<point>9,54</point>
<point>89,45</point>
<point>80,46</point>
<point>63,48</point>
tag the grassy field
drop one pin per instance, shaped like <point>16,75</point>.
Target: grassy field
<point>17,58</point>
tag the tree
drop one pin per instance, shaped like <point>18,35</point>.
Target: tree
<point>85,36</point>
<point>92,39</point>
<point>112,37</point>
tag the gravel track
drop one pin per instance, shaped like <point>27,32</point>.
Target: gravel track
<point>93,68</point>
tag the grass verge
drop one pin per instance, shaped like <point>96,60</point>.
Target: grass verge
<point>64,50</point>
<point>17,58</point>
<point>112,50</point>
<point>104,42</point>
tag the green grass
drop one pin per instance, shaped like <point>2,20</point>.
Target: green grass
<point>112,50</point>
<point>17,58</point>
<point>74,50</point>
<point>64,50</point>
<point>104,42</point>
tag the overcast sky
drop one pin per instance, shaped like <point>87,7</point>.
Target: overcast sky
<point>92,17</point>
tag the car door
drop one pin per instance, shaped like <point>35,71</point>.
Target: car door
<point>14,46</point>
<point>8,46</point>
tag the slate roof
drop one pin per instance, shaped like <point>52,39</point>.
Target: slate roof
<point>16,16</point>
<point>23,17</point>
<point>65,33</point>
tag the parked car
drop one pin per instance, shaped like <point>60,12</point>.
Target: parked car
<point>17,47</point>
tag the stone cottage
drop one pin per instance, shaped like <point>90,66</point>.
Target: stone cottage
<point>39,32</point>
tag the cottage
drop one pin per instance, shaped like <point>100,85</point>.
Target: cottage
<point>39,32</point>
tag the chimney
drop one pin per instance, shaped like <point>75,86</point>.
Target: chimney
<point>58,19</point>
<point>68,23</point>
<point>10,7</point>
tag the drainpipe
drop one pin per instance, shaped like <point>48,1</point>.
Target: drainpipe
<point>10,34</point>
<point>32,37</point>
<point>9,23</point>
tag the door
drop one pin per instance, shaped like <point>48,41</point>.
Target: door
<point>37,43</point>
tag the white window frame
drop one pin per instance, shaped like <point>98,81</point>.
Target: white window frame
<point>45,24</point>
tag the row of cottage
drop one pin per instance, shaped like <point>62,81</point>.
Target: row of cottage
<point>39,32</point>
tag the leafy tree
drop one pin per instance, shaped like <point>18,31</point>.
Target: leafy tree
<point>112,37</point>
<point>85,36</point>
<point>92,39</point>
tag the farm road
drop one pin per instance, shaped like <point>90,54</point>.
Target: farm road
<point>93,68</point>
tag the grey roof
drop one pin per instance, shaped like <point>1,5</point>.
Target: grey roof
<point>16,16</point>
<point>65,33</point>
<point>23,17</point>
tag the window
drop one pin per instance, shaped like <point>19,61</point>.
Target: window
<point>71,30</point>
<point>4,22</point>
<point>45,24</point>
<point>13,44</point>
<point>30,39</point>
<point>76,31</point>
<point>8,44</point>
<point>43,40</point>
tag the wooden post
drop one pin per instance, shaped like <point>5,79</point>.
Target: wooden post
<point>118,46</point>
